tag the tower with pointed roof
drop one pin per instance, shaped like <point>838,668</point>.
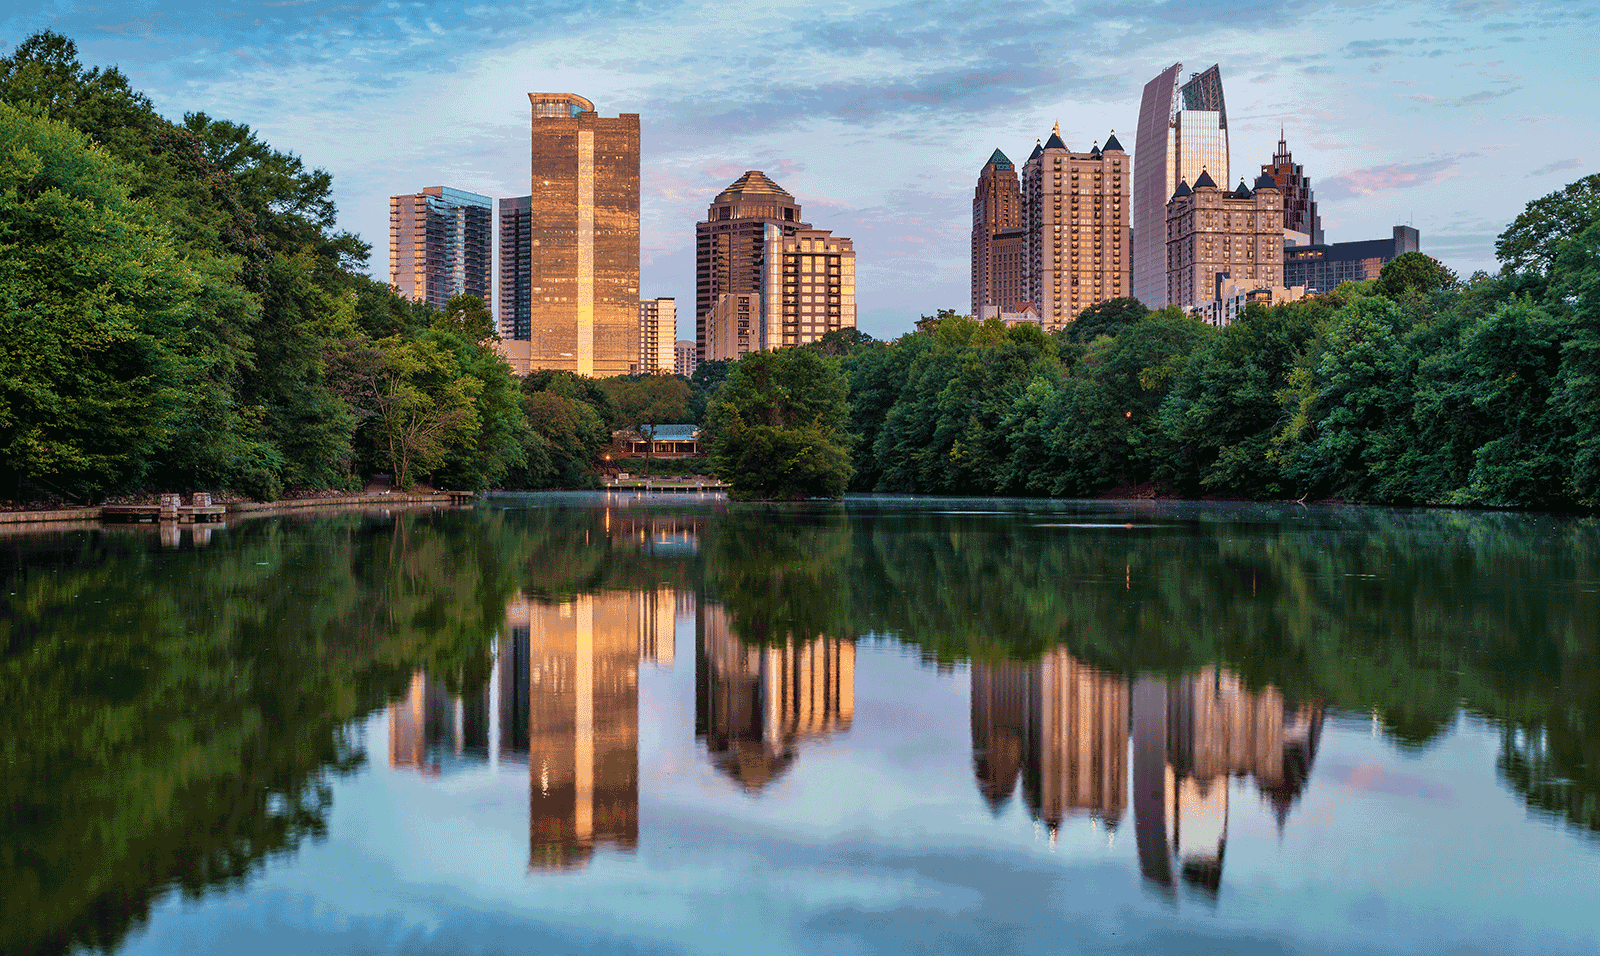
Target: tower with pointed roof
<point>1075,215</point>
<point>764,279</point>
<point>997,238</point>
<point>1217,235</point>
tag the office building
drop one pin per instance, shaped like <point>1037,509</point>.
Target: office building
<point>516,263</point>
<point>1183,130</point>
<point>658,333</point>
<point>583,228</point>
<point>1299,205</point>
<point>685,358</point>
<point>1215,234</point>
<point>1320,268</point>
<point>999,244</point>
<point>769,278</point>
<point>439,245</point>
<point>1075,220</point>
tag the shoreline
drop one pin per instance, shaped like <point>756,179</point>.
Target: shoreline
<point>55,519</point>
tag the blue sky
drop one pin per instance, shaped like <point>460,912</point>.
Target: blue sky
<point>878,115</point>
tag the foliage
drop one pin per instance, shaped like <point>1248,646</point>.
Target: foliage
<point>1105,318</point>
<point>1531,242</point>
<point>776,427</point>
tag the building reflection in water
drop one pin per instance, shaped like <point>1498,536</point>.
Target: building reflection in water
<point>754,705</point>
<point>1059,724</point>
<point>562,700</point>
<point>1064,728</point>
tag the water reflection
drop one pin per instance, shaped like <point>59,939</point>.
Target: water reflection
<point>562,698</point>
<point>754,704</point>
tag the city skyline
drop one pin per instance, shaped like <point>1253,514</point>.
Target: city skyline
<point>1392,109</point>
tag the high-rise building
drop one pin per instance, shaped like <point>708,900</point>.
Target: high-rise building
<point>730,246</point>
<point>439,245</point>
<point>999,244</point>
<point>1320,268</point>
<point>584,233</point>
<point>1299,205</point>
<point>516,264</point>
<point>658,331</point>
<point>758,266</point>
<point>1183,130</point>
<point>1076,226</point>
<point>1214,235</point>
<point>686,360</point>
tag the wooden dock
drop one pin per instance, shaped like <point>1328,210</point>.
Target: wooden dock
<point>667,486</point>
<point>169,508</point>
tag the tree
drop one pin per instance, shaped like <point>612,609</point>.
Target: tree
<point>1106,318</point>
<point>1530,243</point>
<point>776,427</point>
<point>645,401</point>
<point>847,341</point>
<point>94,306</point>
<point>464,315</point>
<point>1412,273</point>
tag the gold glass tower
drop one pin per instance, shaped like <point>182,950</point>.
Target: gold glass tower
<point>584,223</point>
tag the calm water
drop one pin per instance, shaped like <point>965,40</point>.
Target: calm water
<point>661,726</point>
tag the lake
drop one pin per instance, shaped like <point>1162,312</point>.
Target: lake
<point>566,723</point>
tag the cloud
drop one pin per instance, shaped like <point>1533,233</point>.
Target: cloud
<point>1373,180</point>
<point>1556,167</point>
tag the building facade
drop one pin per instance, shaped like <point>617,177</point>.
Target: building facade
<point>1183,130</point>
<point>999,244</point>
<point>1214,235</point>
<point>1299,205</point>
<point>516,262</point>
<point>1075,219</point>
<point>685,358</point>
<point>1320,268</point>
<point>731,244</point>
<point>658,333</point>
<point>584,238</point>
<point>766,279</point>
<point>440,243</point>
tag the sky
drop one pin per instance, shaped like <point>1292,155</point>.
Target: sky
<point>878,116</point>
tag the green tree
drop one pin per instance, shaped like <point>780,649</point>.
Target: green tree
<point>1413,274</point>
<point>1532,240</point>
<point>1106,318</point>
<point>776,427</point>
<point>646,401</point>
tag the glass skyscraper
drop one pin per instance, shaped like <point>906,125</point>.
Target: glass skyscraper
<point>1183,129</point>
<point>439,245</point>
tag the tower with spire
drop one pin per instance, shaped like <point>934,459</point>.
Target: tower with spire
<point>1299,205</point>
<point>997,240</point>
<point>1075,215</point>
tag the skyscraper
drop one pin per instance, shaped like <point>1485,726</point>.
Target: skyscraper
<point>1183,130</point>
<point>1299,205</point>
<point>584,233</point>
<point>439,242</point>
<point>768,278</point>
<point>1076,226</point>
<point>658,331</point>
<point>999,244</point>
<point>516,261</point>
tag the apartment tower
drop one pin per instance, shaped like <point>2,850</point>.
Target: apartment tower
<point>731,245</point>
<point>1075,217</point>
<point>658,331</point>
<point>999,244</point>
<point>583,221</point>
<point>1183,130</point>
<point>439,245</point>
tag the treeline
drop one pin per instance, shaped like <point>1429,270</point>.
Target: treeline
<point>180,312</point>
<point>1412,388</point>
